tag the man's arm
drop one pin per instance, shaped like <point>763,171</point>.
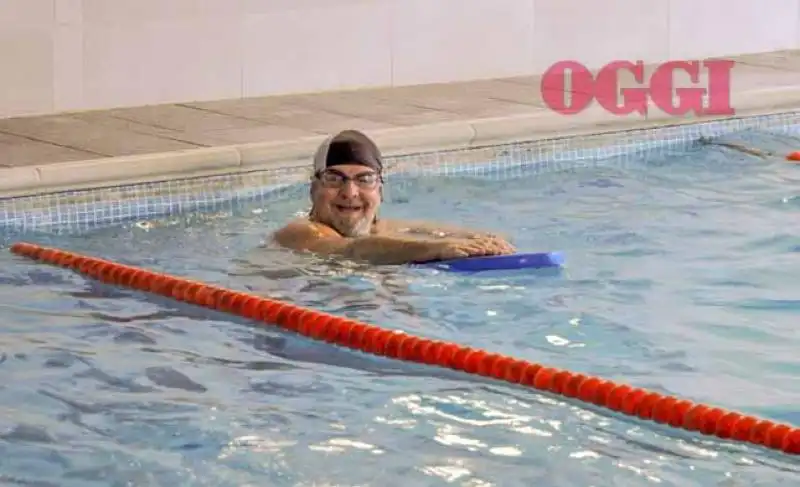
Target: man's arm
<point>433,229</point>
<point>377,249</point>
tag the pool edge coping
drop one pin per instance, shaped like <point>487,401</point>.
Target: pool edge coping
<point>91,174</point>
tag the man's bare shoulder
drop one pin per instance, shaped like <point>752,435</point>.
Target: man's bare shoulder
<point>302,234</point>
<point>385,226</point>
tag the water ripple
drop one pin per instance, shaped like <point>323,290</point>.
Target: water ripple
<point>679,279</point>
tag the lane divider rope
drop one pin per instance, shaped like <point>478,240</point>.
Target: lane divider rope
<point>632,401</point>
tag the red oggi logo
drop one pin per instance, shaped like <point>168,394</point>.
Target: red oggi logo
<point>660,88</point>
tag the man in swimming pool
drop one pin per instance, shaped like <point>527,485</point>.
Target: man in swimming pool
<point>346,194</point>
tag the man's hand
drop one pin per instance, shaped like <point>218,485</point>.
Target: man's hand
<point>457,248</point>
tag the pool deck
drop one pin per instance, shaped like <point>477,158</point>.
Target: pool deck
<point>81,150</point>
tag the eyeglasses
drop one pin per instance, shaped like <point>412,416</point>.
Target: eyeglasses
<point>334,179</point>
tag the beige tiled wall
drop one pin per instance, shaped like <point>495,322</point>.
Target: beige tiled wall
<point>60,55</point>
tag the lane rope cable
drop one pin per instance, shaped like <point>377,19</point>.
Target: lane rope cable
<point>621,398</point>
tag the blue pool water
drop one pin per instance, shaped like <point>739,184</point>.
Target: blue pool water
<point>681,277</point>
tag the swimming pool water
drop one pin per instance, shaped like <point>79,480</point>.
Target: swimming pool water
<point>681,277</point>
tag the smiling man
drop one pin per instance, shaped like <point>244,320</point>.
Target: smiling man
<point>346,194</point>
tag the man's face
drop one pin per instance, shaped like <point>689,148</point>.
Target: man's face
<point>347,198</point>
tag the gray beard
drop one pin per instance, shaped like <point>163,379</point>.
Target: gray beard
<point>360,229</point>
